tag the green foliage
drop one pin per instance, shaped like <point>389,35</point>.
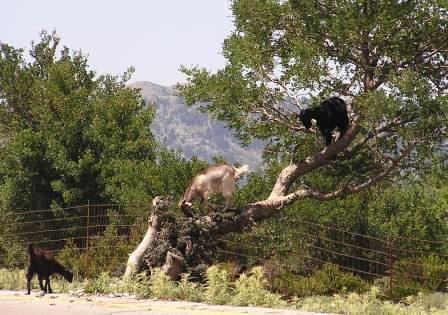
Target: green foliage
<point>107,252</point>
<point>414,210</point>
<point>353,48</point>
<point>104,283</point>
<point>424,274</point>
<point>161,286</point>
<point>65,131</point>
<point>188,290</point>
<point>12,279</point>
<point>218,286</point>
<point>69,135</point>
<point>328,280</point>
<point>411,209</point>
<point>369,303</point>
<point>251,289</point>
<point>101,284</point>
<point>12,253</point>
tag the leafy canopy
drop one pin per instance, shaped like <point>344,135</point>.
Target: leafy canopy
<point>387,58</point>
<point>69,135</point>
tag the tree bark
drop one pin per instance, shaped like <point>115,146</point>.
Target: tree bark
<point>135,260</point>
<point>173,266</point>
<point>188,244</point>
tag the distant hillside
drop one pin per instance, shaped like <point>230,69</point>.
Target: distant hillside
<point>184,128</point>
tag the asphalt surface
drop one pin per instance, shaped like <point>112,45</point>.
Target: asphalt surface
<point>17,303</point>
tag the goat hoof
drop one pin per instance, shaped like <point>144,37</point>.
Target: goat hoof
<point>27,293</point>
<point>41,293</point>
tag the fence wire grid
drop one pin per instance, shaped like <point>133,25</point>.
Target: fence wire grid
<point>110,232</point>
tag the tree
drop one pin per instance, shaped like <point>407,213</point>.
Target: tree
<point>387,58</point>
<point>66,133</point>
<point>69,135</point>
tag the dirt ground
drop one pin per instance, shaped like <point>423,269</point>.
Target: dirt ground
<point>17,303</point>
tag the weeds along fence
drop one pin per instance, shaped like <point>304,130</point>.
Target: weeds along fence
<point>95,238</point>
<point>326,259</point>
<point>90,239</point>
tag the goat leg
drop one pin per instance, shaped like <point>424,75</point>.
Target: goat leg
<point>29,276</point>
<point>42,288</point>
<point>229,201</point>
<point>47,285</point>
<point>202,206</point>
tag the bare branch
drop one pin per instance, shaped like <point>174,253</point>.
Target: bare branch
<point>281,201</point>
<point>287,90</point>
<point>375,133</point>
<point>289,174</point>
<point>271,117</point>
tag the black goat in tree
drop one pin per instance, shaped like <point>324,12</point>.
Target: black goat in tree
<point>330,114</point>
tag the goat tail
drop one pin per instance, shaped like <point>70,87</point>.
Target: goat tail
<point>240,171</point>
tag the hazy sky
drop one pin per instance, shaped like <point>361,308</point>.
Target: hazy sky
<point>154,36</point>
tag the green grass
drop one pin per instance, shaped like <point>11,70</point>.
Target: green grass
<point>15,280</point>
<point>250,289</point>
<point>370,304</point>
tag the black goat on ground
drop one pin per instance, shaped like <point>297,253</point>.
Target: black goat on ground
<point>330,114</point>
<point>43,263</point>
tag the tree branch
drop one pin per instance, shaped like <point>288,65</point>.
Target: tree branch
<point>347,189</point>
<point>289,174</point>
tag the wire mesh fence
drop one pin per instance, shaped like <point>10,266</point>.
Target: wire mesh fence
<point>102,236</point>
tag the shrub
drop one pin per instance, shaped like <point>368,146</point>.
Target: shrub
<point>12,254</point>
<point>12,279</point>
<point>368,303</point>
<point>425,274</point>
<point>102,284</point>
<point>138,284</point>
<point>189,291</point>
<point>250,289</point>
<point>161,286</point>
<point>218,289</point>
<point>327,281</point>
<point>107,252</point>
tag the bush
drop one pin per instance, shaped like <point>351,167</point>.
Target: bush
<point>369,304</point>
<point>12,254</point>
<point>250,289</point>
<point>12,279</point>
<point>218,286</point>
<point>102,284</point>
<point>189,291</point>
<point>425,274</point>
<point>161,286</point>
<point>327,281</point>
<point>107,252</point>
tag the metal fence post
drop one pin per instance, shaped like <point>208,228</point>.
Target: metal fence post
<point>87,225</point>
<point>391,266</point>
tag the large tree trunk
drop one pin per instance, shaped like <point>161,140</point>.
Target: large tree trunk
<point>188,244</point>
<point>135,260</point>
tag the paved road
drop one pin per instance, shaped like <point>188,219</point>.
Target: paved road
<point>16,303</point>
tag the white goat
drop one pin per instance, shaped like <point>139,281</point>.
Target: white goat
<point>219,178</point>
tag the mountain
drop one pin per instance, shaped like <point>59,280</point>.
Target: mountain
<point>184,128</point>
